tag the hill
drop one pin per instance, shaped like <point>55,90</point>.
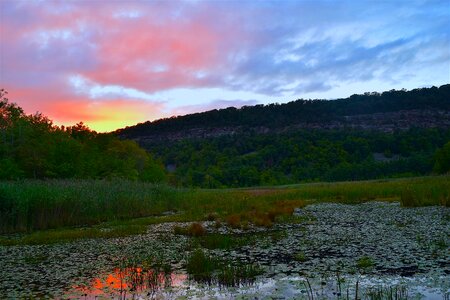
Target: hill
<point>387,111</point>
<point>374,135</point>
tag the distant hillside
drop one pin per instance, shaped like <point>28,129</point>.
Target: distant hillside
<point>388,111</point>
<point>393,134</point>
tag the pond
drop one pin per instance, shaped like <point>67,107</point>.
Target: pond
<point>376,250</point>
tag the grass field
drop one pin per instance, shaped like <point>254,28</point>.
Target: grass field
<point>126,207</point>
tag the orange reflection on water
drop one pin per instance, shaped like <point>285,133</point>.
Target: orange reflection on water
<point>128,282</point>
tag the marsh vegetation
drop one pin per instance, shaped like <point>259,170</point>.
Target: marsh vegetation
<point>30,205</point>
<point>303,241</point>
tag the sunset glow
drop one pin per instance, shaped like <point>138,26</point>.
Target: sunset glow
<point>116,63</point>
<point>120,282</point>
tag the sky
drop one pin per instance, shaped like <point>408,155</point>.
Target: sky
<point>116,63</point>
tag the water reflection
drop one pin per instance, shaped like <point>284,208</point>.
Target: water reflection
<point>128,283</point>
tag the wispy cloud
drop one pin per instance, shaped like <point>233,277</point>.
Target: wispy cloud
<point>145,52</point>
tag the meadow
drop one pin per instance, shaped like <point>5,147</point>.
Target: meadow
<point>53,210</point>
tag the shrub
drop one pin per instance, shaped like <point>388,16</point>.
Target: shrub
<point>263,220</point>
<point>234,221</point>
<point>196,229</point>
<point>211,216</point>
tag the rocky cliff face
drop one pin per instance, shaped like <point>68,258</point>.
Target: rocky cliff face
<point>384,122</point>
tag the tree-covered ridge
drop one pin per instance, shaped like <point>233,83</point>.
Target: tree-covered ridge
<point>300,111</point>
<point>300,156</point>
<point>31,146</point>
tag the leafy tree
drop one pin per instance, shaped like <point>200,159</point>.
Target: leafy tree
<point>442,160</point>
<point>31,146</point>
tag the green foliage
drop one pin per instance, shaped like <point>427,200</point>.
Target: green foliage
<point>204,268</point>
<point>265,146</point>
<point>364,263</point>
<point>300,111</point>
<point>299,156</point>
<point>201,266</point>
<point>300,256</point>
<point>195,229</point>
<point>442,159</point>
<point>36,205</point>
<point>408,199</point>
<point>32,147</point>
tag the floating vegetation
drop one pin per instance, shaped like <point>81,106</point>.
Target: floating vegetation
<point>343,252</point>
<point>364,263</point>
<point>223,241</point>
<point>300,256</point>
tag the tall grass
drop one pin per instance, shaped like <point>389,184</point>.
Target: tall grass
<point>204,268</point>
<point>37,205</point>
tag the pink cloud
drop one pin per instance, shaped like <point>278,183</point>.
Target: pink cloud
<point>150,56</point>
<point>55,42</point>
<point>147,51</point>
<point>68,109</point>
<point>263,47</point>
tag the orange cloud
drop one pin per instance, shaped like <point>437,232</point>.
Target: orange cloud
<point>103,116</point>
<point>151,52</point>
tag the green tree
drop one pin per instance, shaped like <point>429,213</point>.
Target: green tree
<point>442,160</point>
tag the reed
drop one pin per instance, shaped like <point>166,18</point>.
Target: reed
<point>31,205</point>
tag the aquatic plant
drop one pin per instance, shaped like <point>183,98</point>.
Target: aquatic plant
<point>396,292</point>
<point>195,229</point>
<point>232,276</point>
<point>364,262</point>
<point>134,277</point>
<point>300,256</point>
<point>234,220</point>
<point>408,199</point>
<point>203,268</point>
<point>32,205</point>
<point>223,241</point>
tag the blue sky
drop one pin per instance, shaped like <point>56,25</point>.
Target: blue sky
<point>116,63</point>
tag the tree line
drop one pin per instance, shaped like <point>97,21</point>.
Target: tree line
<point>303,156</point>
<point>31,146</point>
<point>299,111</point>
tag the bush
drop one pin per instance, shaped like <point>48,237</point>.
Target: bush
<point>196,229</point>
<point>234,221</point>
<point>442,160</point>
